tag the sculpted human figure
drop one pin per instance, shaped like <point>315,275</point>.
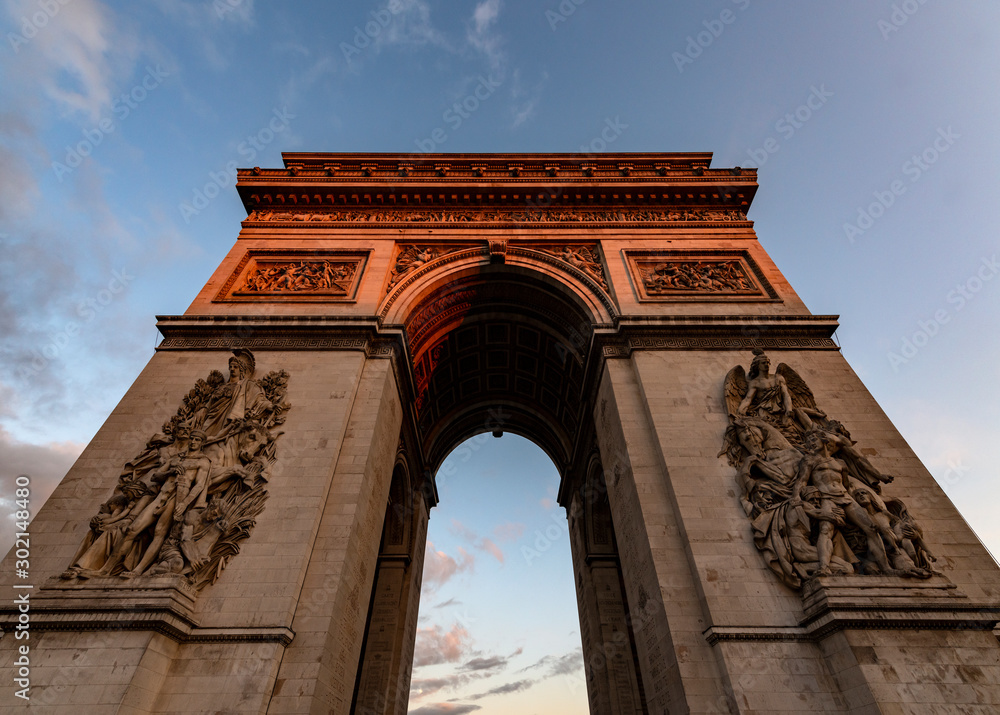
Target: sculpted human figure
<point>187,473</point>
<point>238,399</point>
<point>910,535</point>
<point>96,543</point>
<point>768,459</point>
<point>820,469</point>
<point>767,394</point>
<point>188,500</point>
<point>903,559</point>
<point>192,538</point>
<point>799,517</point>
<point>583,259</point>
<point>814,500</point>
<point>109,527</point>
<point>159,449</point>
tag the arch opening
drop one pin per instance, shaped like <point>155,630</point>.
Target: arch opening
<point>499,350</point>
<point>498,622</point>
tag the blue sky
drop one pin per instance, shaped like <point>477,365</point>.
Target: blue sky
<point>873,124</point>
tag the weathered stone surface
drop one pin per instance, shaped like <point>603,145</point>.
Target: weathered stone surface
<point>414,304</point>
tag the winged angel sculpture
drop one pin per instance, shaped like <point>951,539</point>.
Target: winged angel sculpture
<point>814,500</point>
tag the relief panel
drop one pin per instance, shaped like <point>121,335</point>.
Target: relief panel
<point>295,275</point>
<point>678,275</point>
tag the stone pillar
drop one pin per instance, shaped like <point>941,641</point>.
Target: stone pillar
<point>605,624</point>
<point>384,675</point>
<point>676,665</point>
<point>743,640</point>
<point>319,669</point>
<point>152,643</point>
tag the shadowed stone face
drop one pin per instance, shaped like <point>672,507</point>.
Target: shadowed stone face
<point>604,306</point>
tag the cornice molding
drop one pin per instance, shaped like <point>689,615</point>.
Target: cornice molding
<point>529,181</point>
<point>797,332</point>
<point>773,332</point>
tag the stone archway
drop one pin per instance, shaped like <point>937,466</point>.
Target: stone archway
<point>499,348</point>
<point>269,525</point>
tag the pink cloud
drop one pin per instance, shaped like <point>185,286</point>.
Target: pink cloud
<point>492,549</point>
<point>439,567</point>
<point>472,538</point>
<point>511,531</point>
<point>435,646</point>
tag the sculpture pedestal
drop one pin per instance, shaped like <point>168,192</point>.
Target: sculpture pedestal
<point>896,644</point>
<point>160,604</point>
<point>834,603</point>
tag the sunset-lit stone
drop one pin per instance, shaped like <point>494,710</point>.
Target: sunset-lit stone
<point>604,306</point>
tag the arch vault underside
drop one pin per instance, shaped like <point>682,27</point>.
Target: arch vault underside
<point>259,535</point>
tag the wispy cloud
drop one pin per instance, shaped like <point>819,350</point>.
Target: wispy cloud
<point>425,687</point>
<point>206,24</point>
<point>435,645</point>
<point>505,689</point>
<point>445,709</point>
<point>76,59</point>
<point>482,36</point>
<point>411,28</point>
<point>509,531</point>
<point>475,540</point>
<point>553,665</point>
<point>525,99</point>
<point>439,567</point>
<point>490,663</point>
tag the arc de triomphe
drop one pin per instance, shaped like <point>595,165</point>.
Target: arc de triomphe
<point>750,534</point>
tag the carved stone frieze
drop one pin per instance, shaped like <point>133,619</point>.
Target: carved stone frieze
<point>680,275</point>
<point>333,277</point>
<point>445,307</point>
<point>185,503</point>
<point>584,258</point>
<point>814,501</point>
<point>410,258</point>
<point>300,275</point>
<point>502,215</point>
<point>694,277</point>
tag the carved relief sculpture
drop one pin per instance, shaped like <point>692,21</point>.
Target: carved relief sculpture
<point>814,500</point>
<point>186,502</point>
<point>685,277</point>
<point>300,276</point>
<point>410,259</point>
<point>583,258</point>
